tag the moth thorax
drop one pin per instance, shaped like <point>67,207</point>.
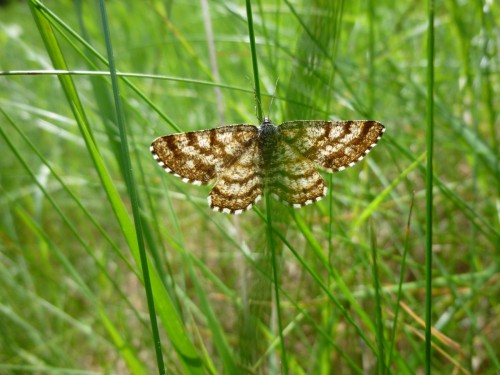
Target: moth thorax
<point>268,138</point>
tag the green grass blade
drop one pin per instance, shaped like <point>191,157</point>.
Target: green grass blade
<point>328,293</point>
<point>73,99</point>
<point>400,286</point>
<point>187,352</point>
<point>429,185</point>
<point>220,341</point>
<point>378,309</point>
<point>124,347</point>
<point>375,204</point>
<point>255,63</point>
<point>132,190</point>
<point>272,248</point>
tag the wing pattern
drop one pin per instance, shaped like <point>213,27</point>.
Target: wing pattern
<point>240,186</point>
<point>332,145</point>
<point>199,157</point>
<point>245,159</point>
<point>293,179</point>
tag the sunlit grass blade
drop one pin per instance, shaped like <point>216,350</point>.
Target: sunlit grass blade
<point>73,99</point>
<point>375,204</point>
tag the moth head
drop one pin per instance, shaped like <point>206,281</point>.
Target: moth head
<point>267,121</point>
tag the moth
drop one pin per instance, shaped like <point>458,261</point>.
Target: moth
<point>244,159</point>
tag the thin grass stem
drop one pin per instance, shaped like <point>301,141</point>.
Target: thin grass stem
<point>270,235</point>
<point>378,307</point>
<point>400,285</point>
<point>255,65</point>
<point>429,186</point>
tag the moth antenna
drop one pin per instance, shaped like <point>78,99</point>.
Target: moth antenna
<point>272,98</point>
<point>257,104</point>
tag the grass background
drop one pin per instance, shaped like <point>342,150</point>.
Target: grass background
<point>351,276</point>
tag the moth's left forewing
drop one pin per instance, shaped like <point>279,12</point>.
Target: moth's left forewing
<point>199,157</point>
<point>332,145</point>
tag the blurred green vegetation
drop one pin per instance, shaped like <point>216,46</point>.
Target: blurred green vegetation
<point>72,297</point>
